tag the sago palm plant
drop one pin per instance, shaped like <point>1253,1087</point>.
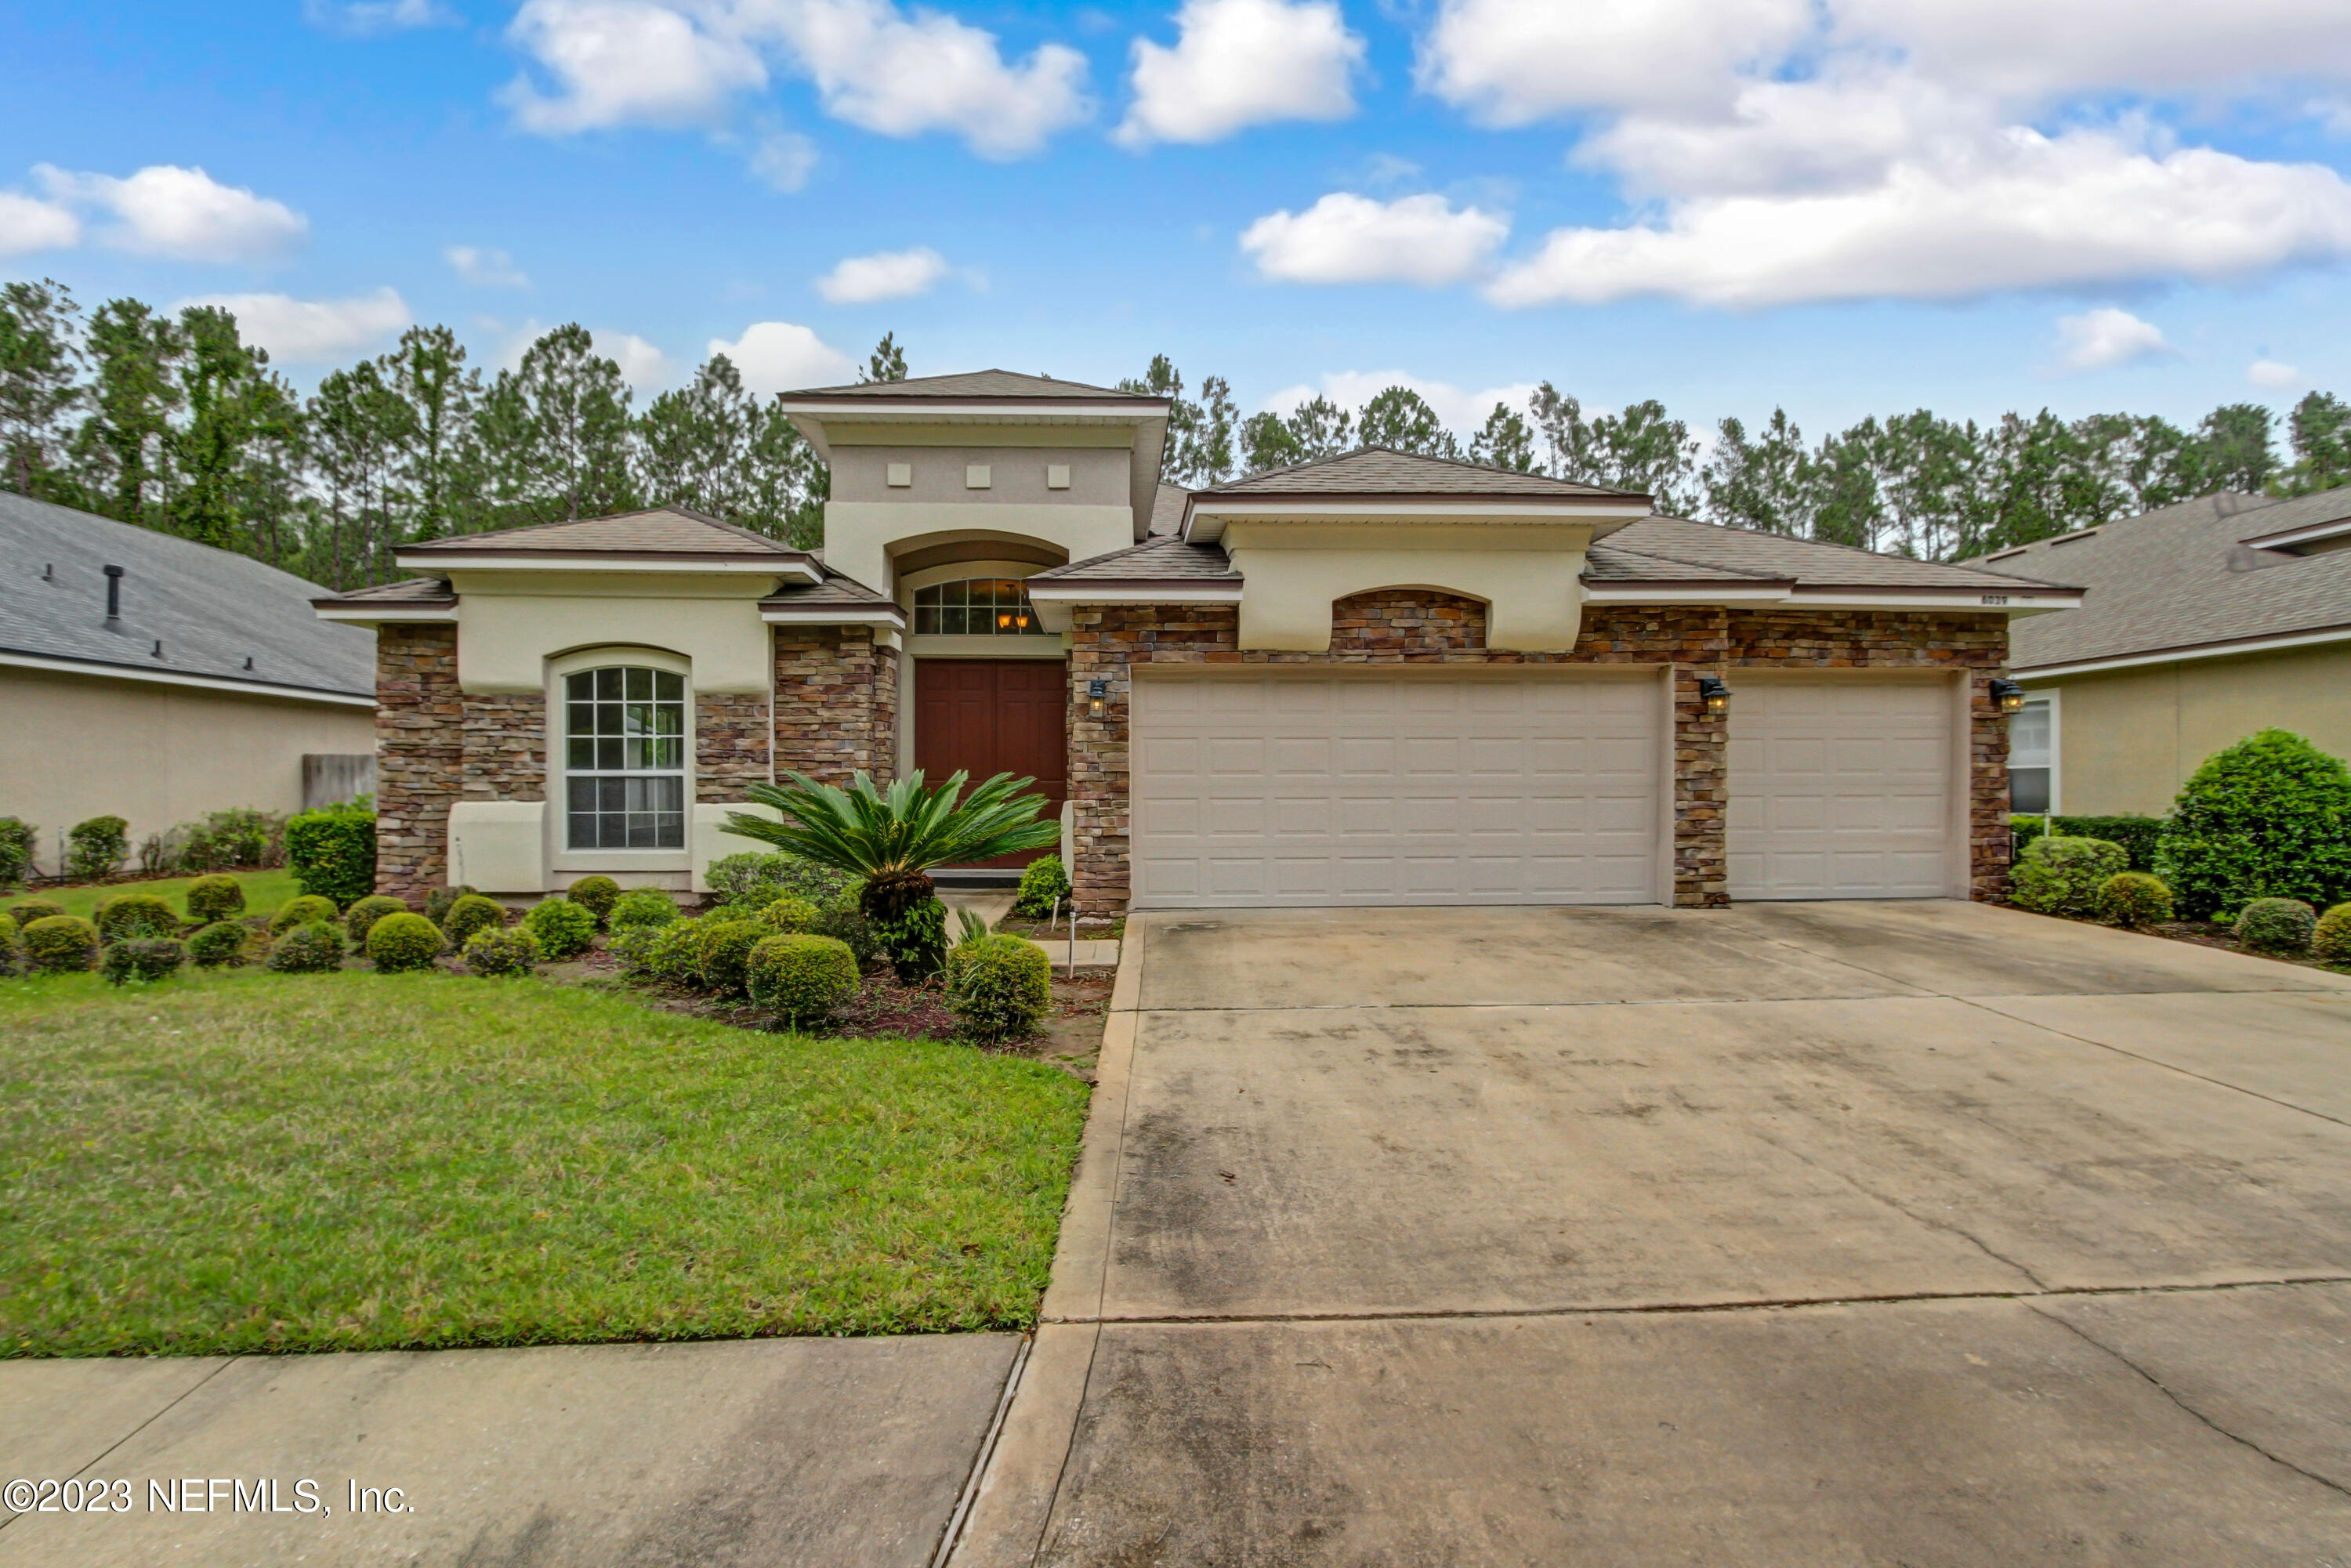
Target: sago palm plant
<point>893,837</point>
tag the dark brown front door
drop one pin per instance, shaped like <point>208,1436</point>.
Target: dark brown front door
<point>985,717</point>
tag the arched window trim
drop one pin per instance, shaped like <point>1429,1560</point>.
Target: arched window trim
<point>626,781</point>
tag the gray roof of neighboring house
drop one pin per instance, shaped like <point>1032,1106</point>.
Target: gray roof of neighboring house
<point>2181,579</point>
<point>1377,471</point>
<point>1669,552</point>
<point>973,385</point>
<point>218,615</point>
<point>669,532</point>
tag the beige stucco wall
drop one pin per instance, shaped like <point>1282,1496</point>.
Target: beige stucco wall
<point>509,627</point>
<point>860,537</point>
<point>1529,576</point>
<point>1017,475</point>
<point>77,746</point>
<point>2129,738</point>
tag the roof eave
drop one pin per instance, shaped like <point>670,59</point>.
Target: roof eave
<point>672,562</point>
<point>1204,515</point>
<point>2266,643</point>
<point>68,664</point>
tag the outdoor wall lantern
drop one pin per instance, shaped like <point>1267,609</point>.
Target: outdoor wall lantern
<point>1097,698</point>
<point>1713,695</point>
<point>2009,695</point>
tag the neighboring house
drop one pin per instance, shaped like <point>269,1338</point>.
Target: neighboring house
<point>155,679</point>
<point>2203,623</point>
<point>1374,679</point>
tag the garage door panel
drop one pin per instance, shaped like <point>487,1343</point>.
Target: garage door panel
<point>1426,788</point>
<point>1840,788</point>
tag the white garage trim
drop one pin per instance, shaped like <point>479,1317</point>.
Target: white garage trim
<point>1848,784</point>
<point>1273,785</point>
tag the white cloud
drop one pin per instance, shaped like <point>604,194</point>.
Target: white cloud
<point>1347,238</point>
<point>645,368</point>
<point>2080,210</point>
<point>624,62</point>
<point>2276,376</point>
<point>784,160</point>
<point>1238,63</point>
<point>886,274</point>
<point>2104,337</point>
<point>184,214</point>
<point>367,17</point>
<point>1462,412</point>
<point>484,268</point>
<point>783,356</point>
<point>1510,62</point>
<point>884,71</point>
<point>313,331</point>
<point>681,62</point>
<point>27,223</point>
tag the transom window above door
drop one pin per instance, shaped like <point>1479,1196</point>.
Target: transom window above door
<point>975,607</point>
<point>624,756</point>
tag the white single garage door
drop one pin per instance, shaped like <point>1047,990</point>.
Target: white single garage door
<point>1271,786</point>
<point>1841,789</point>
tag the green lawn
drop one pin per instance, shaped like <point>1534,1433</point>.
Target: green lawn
<point>253,1162</point>
<point>264,892</point>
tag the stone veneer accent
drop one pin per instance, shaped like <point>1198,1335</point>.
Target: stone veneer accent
<point>1403,626</point>
<point>506,746</point>
<point>731,742</point>
<point>419,753</point>
<point>836,702</point>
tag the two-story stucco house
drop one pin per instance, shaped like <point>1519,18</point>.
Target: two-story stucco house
<point>1376,678</point>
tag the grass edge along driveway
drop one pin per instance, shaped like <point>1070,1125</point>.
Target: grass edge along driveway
<point>243,1161</point>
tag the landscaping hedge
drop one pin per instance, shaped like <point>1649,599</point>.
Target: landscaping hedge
<point>1000,986</point>
<point>2330,940</point>
<point>2135,899</point>
<point>214,897</point>
<point>2269,817</point>
<point>313,947</point>
<point>221,942</point>
<point>59,945</point>
<point>643,907</point>
<point>11,947</point>
<point>17,839</point>
<point>142,958</point>
<point>361,917</point>
<point>442,900</point>
<point>502,950</point>
<point>404,941</point>
<point>1045,882</point>
<point>726,950</point>
<point>2137,835</point>
<point>2277,926</point>
<point>597,895</point>
<point>301,911</point>
<point>130,914</point>
<point>803,977</point>
<point>564,929</point>
<point>97,848</point>
<point>2064,875</point>
<point>471,913</point>
<point>332,851</point>
<point>23,912</point>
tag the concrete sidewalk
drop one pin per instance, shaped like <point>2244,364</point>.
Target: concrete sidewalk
<point>814,1452</point>
<point>1783,1236</point>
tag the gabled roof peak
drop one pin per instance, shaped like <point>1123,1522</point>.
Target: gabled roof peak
<point>662,532</point>
<point>1383,471</point>
<point>969,385</point>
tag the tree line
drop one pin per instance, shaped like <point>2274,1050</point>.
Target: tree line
<point>174,422</point>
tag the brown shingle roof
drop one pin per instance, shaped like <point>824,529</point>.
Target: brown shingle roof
<point>415,591</point>
<point>671,531</point>
<point>1808,563</point>
<point>1165,560</point>
<point>837,589</point>
<point>1377,471</point>
<point>2181,578</point>
<point>973,385</point>
<point>1167,510</point>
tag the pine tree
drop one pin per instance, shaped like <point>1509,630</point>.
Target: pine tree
<point>40,384</point>
<point>123,448</point>
<point>555,433</point>
<point>1400,419</point>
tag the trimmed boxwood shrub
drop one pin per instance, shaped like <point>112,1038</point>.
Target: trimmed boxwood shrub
<point>312,947</point>
<point>18,838</point>
<point>564,929</point>
<point>404,941</point>
<point>754,880</point>
<point>1045,881</point>
<point>596,895</point>
<point>97,848</point>
<point>142,958</point>
<point>332,851</point>
<point>301,911</point>
<point>59,945</point>
<point>1000,986</point>
<point>670,953</point>
<point>221,942</point>
<point>502,950</point>
<point>2137,835</point>
<point>442,900</point>
<point>11,947</point>
<point>802,978</point>
<point>129,914</point>
<point>788,916</point>
<point>215,897</point>
<point>471,914</point>
<point>2268,818</point>
<point>2135,899</point>
<point>23,912</point>
<point>727,944</point>
<point>2277,926</point>
<point>361,917</point>
<point>2330,940</point>
<point>2064,876</point>
<point>844,922</point>
<point>643,907</point>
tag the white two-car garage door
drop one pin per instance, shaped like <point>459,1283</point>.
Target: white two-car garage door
<point>1272,785</point>
<point>1841,787</point>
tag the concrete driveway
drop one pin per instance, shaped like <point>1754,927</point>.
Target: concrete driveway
<point>1798,1234</point>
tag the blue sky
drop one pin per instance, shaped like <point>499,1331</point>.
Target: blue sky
<point>1848,206</point>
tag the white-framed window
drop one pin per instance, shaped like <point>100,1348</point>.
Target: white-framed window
<point>624,757</point>
<point>2033,756</point>
<point>977,607</point>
